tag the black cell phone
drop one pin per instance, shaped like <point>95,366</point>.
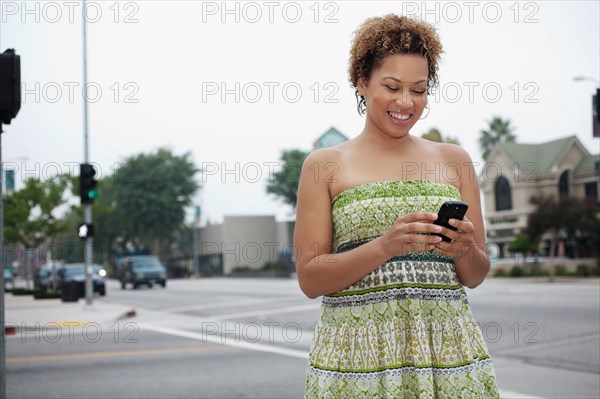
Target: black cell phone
<point>450,210</point>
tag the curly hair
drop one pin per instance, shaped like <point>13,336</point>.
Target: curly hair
<point>379,37</point>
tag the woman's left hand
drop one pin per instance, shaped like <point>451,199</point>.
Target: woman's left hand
<point>463,240</point>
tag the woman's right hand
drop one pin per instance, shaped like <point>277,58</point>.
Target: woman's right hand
<point>410,233</point>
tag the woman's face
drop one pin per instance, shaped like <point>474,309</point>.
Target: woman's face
<point>396,94</point>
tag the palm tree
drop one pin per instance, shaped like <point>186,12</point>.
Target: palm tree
<point>434,134</point>
<point>500,131</point>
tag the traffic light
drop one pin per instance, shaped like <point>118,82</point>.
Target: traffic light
<point>10,86</point>
<point>85,231</point>
<point>87,184</point>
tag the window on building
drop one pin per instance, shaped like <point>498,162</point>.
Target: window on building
<point>503,194</point>
<point>563,185</point>
<point>591,191</point>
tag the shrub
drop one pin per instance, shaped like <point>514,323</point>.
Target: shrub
<point>43,294</point>
<point>539,272</point>
<point>583,270</point>
<point>516,271</point>
<point>238,269</point>
<point>500,273</point>
<point>276,266</point>
<point>560,270</point>
<point>21,291</point>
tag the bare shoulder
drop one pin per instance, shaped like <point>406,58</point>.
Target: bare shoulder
<point>447,152</point>
<point>455,152</point>
<point>324,164</point>
<point>322,156</point>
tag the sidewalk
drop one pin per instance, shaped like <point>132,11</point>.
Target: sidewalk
<point>25,312</point>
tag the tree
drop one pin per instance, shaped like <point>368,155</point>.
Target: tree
<point>523,245</point>
<point>434,134</point>
<point>499,131</point>
<point>144,201</point>
<point>285,181</point>
<point>567,217</point>
<point>588,224</point>
<point>30,214</point>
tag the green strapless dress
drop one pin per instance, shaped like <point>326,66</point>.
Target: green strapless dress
<point>406,329</point>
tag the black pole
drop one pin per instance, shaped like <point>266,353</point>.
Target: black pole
<point>2,321</point>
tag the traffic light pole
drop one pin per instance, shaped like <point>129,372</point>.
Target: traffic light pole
<point>87,208</point>
<point>10,101</point>
<point>2,321</point>
<point>89,254</point>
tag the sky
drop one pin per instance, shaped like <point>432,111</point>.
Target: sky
<point>236,83</point>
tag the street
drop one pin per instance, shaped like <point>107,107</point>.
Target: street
<point>249,338</point>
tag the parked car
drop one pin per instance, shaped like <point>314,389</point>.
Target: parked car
<point>142,270</point>
<point>75,273</point>
<point>49,276</point>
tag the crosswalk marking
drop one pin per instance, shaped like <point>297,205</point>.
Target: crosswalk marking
<point>299,308</point>
<point>259,347</point>
<point>218,340</point>
<point>187,308</point>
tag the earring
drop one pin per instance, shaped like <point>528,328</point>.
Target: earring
<point>427,114</point>
<point>361,103</point>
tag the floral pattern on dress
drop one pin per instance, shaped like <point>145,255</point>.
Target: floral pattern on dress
<point>406,329</point>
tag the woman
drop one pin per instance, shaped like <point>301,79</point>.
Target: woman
<point>395,322</point>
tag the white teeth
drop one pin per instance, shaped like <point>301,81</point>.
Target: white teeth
<point>401,117</point>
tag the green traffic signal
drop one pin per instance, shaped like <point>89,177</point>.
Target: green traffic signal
<point>87,183</point>
<point>93,194</point>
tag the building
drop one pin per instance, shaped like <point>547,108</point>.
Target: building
<point>244,243</point>
<point>515,172</point>
<point>249,243</point>
<point>329,139</point>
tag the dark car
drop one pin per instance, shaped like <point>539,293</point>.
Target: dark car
<point>75,273</point>
<point>49,276</point>
<point>142,270</point>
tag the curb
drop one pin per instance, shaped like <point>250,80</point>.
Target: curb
<point>130,314</point>
<point>13,329</point>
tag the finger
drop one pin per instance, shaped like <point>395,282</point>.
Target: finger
<point>462,225</point>
<point>451,234</point>
<point>424,238</point>
<point>419,227</point>
<point>418,217</point>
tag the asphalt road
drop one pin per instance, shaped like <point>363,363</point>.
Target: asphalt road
<point>247,338</point>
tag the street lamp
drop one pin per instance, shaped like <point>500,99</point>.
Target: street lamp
<point>583,78</point>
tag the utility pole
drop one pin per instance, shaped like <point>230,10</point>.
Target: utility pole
<point>195,253</point>
<point>87,208</point>
<point>2,317</point>
<point>10,104</point>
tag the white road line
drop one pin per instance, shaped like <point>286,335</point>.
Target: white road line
<point>266,312</point>
<point>218,340</point>
<point>185,308</point>
<point>258,347</point>
<point>515,395</point>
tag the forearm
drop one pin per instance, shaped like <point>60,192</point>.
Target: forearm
<point>328,273</point>
<point>472,267</point>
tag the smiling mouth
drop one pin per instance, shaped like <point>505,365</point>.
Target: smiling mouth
<point>399,116</point>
